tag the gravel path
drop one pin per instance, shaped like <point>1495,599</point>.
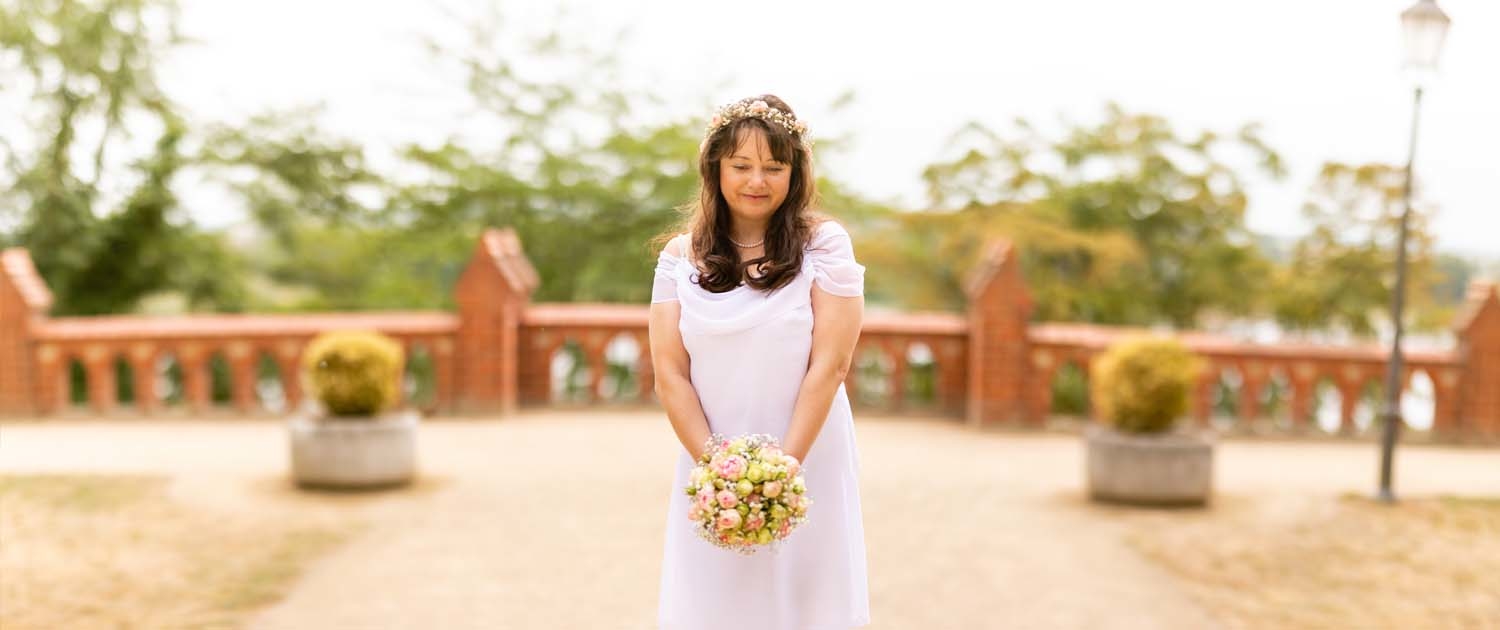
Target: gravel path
<point>507,529</point>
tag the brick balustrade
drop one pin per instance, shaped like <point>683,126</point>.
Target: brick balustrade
<point>497,352</point>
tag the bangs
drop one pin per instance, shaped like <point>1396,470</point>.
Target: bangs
<point>783,146</point>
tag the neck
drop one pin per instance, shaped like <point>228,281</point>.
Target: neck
<point>747,231</point>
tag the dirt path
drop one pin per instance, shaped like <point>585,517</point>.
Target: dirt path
<point>964,529</point>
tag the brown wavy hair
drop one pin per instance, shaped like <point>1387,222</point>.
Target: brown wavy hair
<point>707,223</point>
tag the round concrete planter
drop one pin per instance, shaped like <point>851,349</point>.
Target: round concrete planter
<point>353,453</point>
<point>1152,469</point>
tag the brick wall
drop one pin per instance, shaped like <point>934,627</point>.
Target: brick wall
<point>991,365</point>
<point>1478,329</point>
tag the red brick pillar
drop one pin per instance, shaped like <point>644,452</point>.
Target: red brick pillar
<point>195,383</point>
<point>143,369</point>
<point>897,354</point>
<point>999,348</point>
<point>492,295</point>
<point>1445,399</point>
<point>241,358</point>
<point>1478,331</point>
<point>103,393</point>
<point>645,372</point>
<point>289,362</point>
<point>1300,407</point>
<point>1202,402</point>
<point>593,353</point>
<point>1303,378</point>
<point>1252,383</point>
<point>51,381</point>
<point>24,302</point>
<point>951,375</point>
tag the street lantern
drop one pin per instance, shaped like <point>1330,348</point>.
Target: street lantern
<point>1425,27</point>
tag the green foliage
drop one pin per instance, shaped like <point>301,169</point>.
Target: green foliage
<point>1070,391</point>
<point>89,69</point>
<point>1341,274</point>
<point>298,175</point>
<point>1120,222</point>
<point>584,204</point>
<point>1141,385</point>
<point>353,373</point>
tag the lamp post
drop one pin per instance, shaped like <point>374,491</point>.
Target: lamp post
<point>1425,26</point>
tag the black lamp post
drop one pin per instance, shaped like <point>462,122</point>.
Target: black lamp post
<point>1425,26</point>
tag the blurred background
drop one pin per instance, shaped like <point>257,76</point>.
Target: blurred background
<point>1152,159</point>
<point>1235,172</point>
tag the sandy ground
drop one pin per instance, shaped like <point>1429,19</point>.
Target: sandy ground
<point>965,528</point>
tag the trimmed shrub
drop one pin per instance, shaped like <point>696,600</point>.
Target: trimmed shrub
<point>353,372</point>
<point>1141,385</point>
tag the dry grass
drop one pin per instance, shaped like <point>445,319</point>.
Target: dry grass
<point>87,551</point>
<point>1334,562</point>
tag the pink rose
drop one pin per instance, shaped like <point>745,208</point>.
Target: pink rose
<point>704,500</point>
<point>695,513</point>
<point>727,499</point>
<point>772,489</point>
<point>716,121</point>
<point>732,467</point>
<point>786,528</point>
<point>760,107</point>
<point>727,519</point>
<point>756,521</point>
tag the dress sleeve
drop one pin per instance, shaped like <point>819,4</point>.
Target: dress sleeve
<point>664,285</point>
<point>832,256</point>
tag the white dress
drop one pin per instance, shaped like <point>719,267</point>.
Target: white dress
<point>749,353</point>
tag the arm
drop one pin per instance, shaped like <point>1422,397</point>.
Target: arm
<point>836,325</point>
<point>674,385</point>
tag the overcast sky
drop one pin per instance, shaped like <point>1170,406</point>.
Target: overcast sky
<point>1322,77</point>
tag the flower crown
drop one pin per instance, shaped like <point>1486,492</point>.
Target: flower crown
<point>748,108</point>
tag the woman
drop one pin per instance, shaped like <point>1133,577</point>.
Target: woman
<point>755,311</point>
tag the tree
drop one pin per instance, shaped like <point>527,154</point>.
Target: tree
<point>1342,272</point>
<point>88,70</point>
<point>574,167</point>
<point>1120,222</point>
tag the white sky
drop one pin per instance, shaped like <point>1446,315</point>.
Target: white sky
<point>1322,77</point>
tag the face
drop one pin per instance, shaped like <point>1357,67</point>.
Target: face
<point>752,181</point>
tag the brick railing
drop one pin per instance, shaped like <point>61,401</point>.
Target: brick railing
<point>499,351</point>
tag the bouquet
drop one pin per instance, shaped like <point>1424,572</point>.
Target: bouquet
<point>746,493</point>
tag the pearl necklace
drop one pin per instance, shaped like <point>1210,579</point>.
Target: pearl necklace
<point>755,244</point>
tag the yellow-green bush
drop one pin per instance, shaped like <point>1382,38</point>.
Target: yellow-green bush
<point>1141,385</point>
<point>353,372</point>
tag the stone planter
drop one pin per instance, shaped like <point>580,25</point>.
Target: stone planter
<point>353,453</point>
<point>1153,469</point>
